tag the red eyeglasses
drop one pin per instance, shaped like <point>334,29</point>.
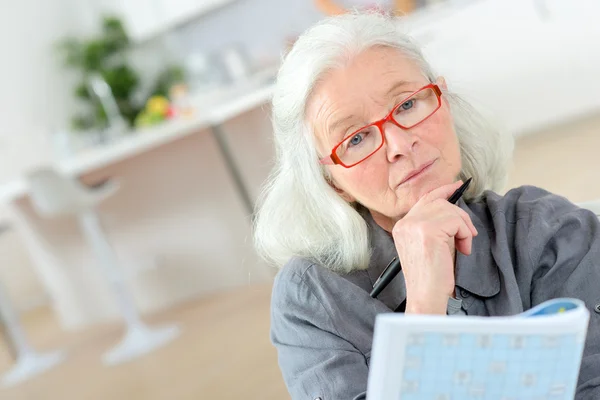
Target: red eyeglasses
<point>364,142</point>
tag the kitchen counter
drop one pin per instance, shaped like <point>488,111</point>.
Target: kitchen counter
<point>239,99</point>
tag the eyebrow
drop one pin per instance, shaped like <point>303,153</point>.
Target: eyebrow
<point>333,127</point>
<point>395,87</point>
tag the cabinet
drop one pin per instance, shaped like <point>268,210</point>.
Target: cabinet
<point>173,12</point>
<point>145,19</point>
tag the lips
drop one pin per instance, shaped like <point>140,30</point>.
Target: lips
<point>417,171</point>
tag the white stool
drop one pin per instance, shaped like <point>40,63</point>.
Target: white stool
<point>55,195</point>
<point>28,362</point>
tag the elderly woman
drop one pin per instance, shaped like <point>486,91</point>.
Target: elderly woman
<point>370,144</point>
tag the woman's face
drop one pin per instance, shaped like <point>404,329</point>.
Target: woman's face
<point>365,91</point>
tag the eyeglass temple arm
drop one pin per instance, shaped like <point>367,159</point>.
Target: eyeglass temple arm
<point>326,161</point>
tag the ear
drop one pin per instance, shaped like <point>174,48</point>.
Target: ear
<point>441,81</point>
<point>343,194</point>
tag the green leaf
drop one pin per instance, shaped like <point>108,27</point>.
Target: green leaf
<point>95,52</point>
<point>98,55</point>
<point>114,34</point>
<point>82,91</point>
<point>122,80</point>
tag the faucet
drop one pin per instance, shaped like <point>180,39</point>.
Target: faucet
<point>116,123</point>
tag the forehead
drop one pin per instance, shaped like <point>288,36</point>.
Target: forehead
<point>361,88</point>
<point>371,72</point>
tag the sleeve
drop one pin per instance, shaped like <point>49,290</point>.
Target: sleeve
<point>565,250</point>
<point>315,360</point>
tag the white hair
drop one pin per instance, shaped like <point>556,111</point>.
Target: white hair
<point>298,213</point>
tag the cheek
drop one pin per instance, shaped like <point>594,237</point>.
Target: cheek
<point>440,134</point>
<point>364,180</point>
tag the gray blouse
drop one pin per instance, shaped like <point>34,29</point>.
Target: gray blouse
<point>532,246</point>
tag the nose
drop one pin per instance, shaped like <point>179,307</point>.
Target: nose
<point>399,142</point>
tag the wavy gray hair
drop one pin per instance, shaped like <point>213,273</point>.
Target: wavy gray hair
<point>298,213</point>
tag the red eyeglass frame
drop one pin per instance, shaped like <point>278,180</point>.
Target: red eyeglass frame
<point>333,159</point>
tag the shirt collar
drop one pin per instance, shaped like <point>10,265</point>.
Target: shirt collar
<point>476,273</point>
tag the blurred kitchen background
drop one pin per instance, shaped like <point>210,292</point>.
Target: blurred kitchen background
<point>145,124</point>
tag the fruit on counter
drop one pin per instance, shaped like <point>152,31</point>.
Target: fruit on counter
<point>145,119</point>
<point>171,112</point>
<point>157,105</point>
<point>157,110</point>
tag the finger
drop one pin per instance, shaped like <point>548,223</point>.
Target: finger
<point>467,218</point>
<point>443,192</point>
<point>465,246</point>
<point>455,227</point>
<point>443,207</point>
<point>463,240</point>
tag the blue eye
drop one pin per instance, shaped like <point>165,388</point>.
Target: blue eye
<point>356,139</point>
<point>408,105</point>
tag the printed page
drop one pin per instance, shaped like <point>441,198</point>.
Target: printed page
<point>445,358</point>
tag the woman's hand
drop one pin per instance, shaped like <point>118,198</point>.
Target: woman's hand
<point>426,239</point>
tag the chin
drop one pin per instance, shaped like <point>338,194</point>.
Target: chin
<point>412,194</point>
<point>408,197</point>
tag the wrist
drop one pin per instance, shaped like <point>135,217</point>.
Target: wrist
<point>430,306</point>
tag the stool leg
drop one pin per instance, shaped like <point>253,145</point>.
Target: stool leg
<point>12,350</point>
<point>139,339</point>
<point>28,363</point>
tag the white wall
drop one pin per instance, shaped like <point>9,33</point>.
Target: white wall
<point>531,63</point>
<point>35,97</point>
<point>35,94</point>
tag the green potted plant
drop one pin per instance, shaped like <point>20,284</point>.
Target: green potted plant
<point>103,56</point>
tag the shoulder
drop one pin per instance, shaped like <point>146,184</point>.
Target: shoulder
<point>295,273</point>
<point>312,292</point>
<point>300,280</point>
<point>296,283</point>
<point>534,199</point>
<point>529,216</point>
<point>525,203</point>
<point>535,217</point>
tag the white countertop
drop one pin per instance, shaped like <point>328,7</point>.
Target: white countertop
<point>240,99</point>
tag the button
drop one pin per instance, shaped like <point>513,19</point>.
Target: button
<point>318,398</point>
<point>464,293</point>
<point>597,308</point>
